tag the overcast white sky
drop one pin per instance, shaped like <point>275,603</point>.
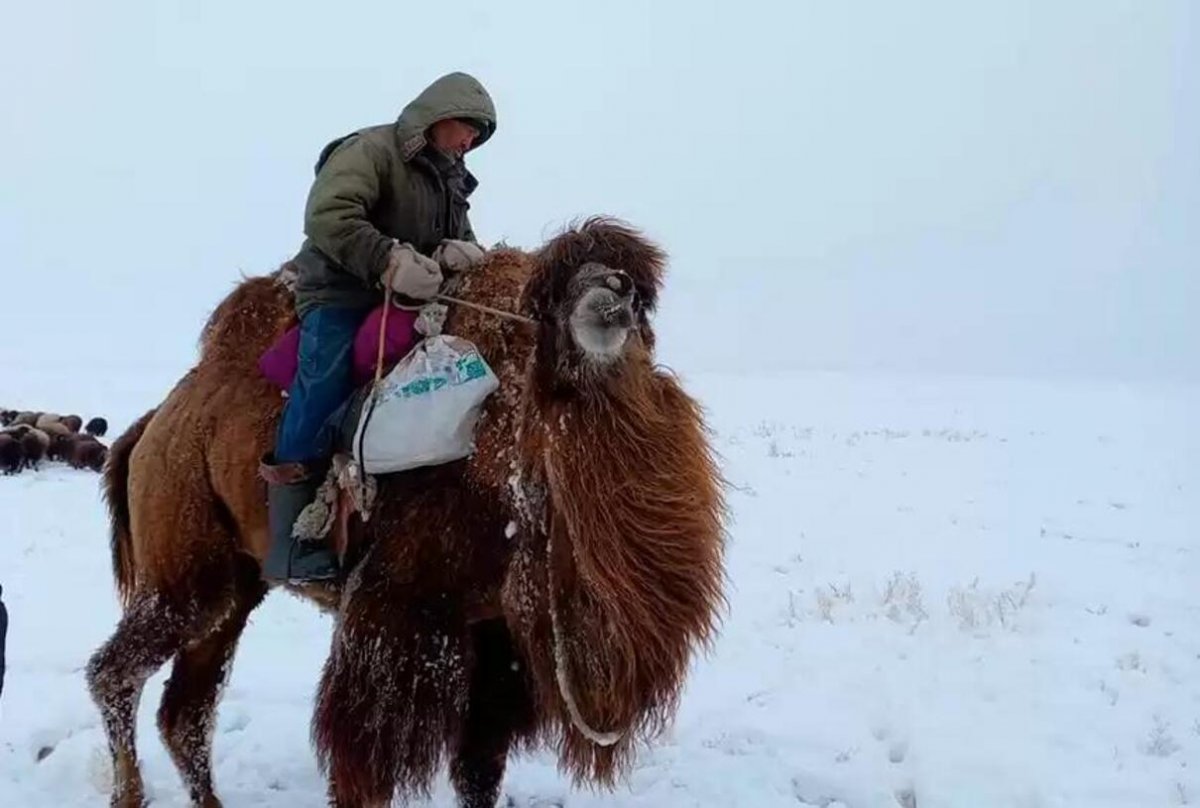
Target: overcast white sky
<point>992,187</point>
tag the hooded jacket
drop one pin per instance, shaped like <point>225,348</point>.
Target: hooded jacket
<point>383,183</point>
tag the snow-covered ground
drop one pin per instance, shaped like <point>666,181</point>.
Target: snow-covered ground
<point>943,592</point>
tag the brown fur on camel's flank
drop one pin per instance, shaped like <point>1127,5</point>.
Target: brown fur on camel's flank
<point>550,589</point>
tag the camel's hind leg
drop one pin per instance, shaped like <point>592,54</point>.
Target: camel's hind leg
<point>186,716</point>
<point>498,710</point>
<point>147,636</point>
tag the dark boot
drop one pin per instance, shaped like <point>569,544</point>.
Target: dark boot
<point>291,487</point>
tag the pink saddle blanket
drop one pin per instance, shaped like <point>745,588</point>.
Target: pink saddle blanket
<point>279,362</point>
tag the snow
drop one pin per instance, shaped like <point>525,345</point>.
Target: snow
<point>943,591</point>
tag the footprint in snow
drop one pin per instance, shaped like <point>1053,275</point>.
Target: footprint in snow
<point>236,723</point>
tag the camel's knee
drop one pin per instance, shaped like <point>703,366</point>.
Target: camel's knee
<point>176,721</point>
<point>99,674</point>
<point>185,715</point>
<point>114,678</point>
<point>145,638</point>
<point>188,707</point>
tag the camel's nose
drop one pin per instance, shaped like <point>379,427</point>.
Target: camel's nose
<point>620,283</point>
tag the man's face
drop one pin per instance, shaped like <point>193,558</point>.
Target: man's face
<point>453,136</point>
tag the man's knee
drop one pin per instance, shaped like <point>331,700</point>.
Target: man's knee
<point>324,380</point>
<point>327,339</point>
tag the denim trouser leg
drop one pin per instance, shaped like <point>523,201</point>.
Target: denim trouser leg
<point>323,381</point>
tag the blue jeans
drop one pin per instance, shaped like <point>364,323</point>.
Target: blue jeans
<point>323,382</point>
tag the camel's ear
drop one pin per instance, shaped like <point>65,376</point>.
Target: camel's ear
<point>646,331</point>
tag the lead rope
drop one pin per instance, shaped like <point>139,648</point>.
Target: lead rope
<point>561,672</point>
<point>505,315</point>
<point>387,304</point>
<point>562,675</point>
<point>365,419</point>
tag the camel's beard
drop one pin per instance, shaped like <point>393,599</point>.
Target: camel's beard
<point>634,523</point>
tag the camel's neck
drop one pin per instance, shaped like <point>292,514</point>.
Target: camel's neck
<point>632,522</point>
<point>630,479</point>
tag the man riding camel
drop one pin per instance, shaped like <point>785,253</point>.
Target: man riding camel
<point>388,208</point>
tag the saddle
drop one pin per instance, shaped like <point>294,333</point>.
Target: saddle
<point>279,362</point>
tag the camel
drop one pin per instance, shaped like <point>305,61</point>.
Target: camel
<point>549,591</point>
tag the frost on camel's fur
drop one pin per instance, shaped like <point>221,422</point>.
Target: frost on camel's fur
<point>592,505</point>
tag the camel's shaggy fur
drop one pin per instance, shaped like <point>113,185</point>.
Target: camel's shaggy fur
<point>552,586</point>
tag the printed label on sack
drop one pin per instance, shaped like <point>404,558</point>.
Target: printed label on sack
<point>466,369</point>
<point>471,367</point>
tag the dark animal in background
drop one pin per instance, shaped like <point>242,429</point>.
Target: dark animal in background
<point>60,447</point>
<point>3,636</point>
<point>96,426</point>
<point>7,417</point>
<point>85,452</point>
<point>34,444</point>
<point>72,422</point>
<point>24,446</point>
<point>12,457</point>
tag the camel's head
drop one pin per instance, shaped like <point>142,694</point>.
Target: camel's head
<point>593,290</point>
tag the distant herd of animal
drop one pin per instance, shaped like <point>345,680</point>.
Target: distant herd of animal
<point>28,438</point>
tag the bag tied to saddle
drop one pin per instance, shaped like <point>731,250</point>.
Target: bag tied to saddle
<point>424,411</point>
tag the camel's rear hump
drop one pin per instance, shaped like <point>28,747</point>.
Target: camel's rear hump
<point>248,320</point>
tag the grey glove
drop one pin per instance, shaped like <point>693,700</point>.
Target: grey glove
<point>458,256</point>
<point>411,274</point>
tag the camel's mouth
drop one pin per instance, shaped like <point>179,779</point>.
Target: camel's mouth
<point>604,315</point>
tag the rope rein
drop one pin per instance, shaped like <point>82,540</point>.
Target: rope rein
<point>562,672</point>
<point>504,315</point>
<point>387,305</point>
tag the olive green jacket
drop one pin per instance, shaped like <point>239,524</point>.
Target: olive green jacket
<point>383,183</point>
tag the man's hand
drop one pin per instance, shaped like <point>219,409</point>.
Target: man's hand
<point>411,274</point>
<point>458,256</point>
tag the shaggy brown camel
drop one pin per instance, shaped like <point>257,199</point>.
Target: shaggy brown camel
<point>549,590</point>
